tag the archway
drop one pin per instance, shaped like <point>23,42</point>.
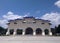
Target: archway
<point>29,31</point>
<point>38,31</point>
<point>11,31</point>
<point>46,32</point>
<point>19,31</point>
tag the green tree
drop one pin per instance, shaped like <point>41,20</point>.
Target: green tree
<point>2,31</point>
<point>58,29</point>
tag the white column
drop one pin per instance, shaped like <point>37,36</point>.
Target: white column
<point>50,33</point>
<point>14,33</point>
<point>43,33</point>
<point>23,33</point>
<point>34,33</point>
<point>8,33</point>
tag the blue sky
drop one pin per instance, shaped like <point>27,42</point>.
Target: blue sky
<point>43,9</point>
<point>28,6</point>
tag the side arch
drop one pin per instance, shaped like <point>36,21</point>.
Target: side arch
<point>11,31</point>
<point>38,31</point>
<point>46,32</point>
<point>19,31</point>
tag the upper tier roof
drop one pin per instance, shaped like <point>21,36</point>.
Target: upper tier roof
<point>31,18</point>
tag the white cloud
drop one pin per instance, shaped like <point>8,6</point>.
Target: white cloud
<point>3,23</point>
<point>53,17</point>
<point>57,3</point>
<point>37,18</point>
<point>26,14</point>
<point>10,12</point>
<point>9,16</point>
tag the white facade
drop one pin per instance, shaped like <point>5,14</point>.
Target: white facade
<point>29,23</point>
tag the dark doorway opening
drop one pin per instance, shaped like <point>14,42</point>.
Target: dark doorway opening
<point>46,32</point>
<point>38,31</point>
<point>29,31</point>
<point>19,31</point>
<point>11,31</point>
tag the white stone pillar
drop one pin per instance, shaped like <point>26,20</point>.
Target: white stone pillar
<point>23,33</point>
<point>50,33</point>
<point>14,33</point>
<point>8,32</point>
<point>34,33</point>
<point>43,33</point>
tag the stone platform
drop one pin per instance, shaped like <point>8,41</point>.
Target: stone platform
<point>29,39</point>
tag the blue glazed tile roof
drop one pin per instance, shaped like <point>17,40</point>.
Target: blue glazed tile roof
<point>29,17</point>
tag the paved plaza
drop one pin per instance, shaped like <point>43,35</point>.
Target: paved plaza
<point>29,39</point>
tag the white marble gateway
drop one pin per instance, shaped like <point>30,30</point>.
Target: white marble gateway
<point>29,26</point>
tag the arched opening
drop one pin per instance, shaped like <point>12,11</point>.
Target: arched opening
<point>38,31</point>
<point>11,31</point>
<point>46,32</point>
<point>19,31</point>
<point>29,31</point>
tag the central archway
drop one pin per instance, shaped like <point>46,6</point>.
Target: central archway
<point>38,31</point>
<point>29,31</point>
